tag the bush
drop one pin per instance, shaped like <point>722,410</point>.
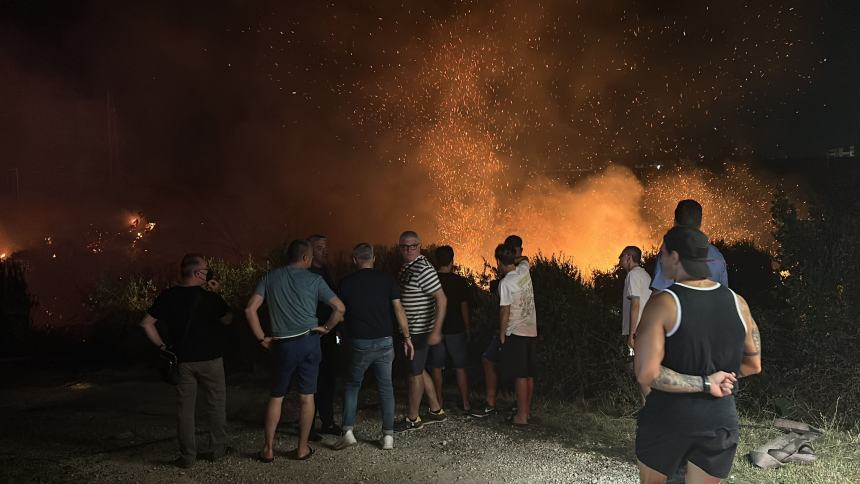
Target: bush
<point>16,304</point>
<point>809,331</point>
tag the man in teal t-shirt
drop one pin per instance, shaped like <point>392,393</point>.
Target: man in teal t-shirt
<point>292,293</point>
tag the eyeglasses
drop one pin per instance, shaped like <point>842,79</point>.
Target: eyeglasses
<point>409,246</point>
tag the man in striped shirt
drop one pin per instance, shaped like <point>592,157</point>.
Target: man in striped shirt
<point>424,301</point>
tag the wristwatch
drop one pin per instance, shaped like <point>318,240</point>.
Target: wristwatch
<point>706,385</point>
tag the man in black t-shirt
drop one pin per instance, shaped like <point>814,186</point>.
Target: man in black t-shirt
<point>327,377</point>
<point>372,300</point>
<point>195,320</point>
<point>455,330</point>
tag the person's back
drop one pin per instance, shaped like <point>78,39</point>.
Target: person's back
<point>367,295</point>
<point>457,291</point>
<point>292,294</point>
<point>204,340</point>
<point>709,336</point>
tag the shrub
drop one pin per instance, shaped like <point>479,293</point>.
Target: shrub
<point>16,304</point>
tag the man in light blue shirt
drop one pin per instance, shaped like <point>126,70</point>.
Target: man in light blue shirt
<point>292,293</point>
<point>688,213</point>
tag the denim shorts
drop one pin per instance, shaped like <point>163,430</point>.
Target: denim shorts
<point>299,356</point>
<point>453,345</point>
<point>491,354</point>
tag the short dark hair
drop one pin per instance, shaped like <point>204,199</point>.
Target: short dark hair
<point>514,241</point>
<point>362,252</point>
<point>297,249</point>
<point>505,254</point>
<point>444,255</point>
<point>316,237</point>
<point>688,213</point>
<point>190,263</point>
<point>635,253</point>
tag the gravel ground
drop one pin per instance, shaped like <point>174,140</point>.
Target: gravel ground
<point>120,428</point>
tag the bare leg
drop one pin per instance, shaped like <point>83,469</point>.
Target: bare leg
<point>463,385</point>
<point>430,390</point>
<point>437,383</point>
<point>306,421</point>
<point>695,475</point>
<point>273,416</point>
<point>523,404</point>
<point>531,382</point>
<point>416,389</point>
<point>648,475</point>
<point>492,381</point>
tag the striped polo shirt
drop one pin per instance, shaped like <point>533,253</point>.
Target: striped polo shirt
<point>418,282</point>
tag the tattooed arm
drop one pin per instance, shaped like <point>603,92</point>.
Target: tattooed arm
<point>751,363</point>
<point>673,382</point>
<point>657,319</point>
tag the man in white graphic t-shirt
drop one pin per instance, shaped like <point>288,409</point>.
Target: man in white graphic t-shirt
<point>517,327</point>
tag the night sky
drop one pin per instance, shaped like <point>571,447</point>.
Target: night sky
<point>236,124</point>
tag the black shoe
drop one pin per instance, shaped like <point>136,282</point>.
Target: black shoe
<point>332,429</point>
<point>406,424</point>
<point>435,417</point>
<point>483,412</point>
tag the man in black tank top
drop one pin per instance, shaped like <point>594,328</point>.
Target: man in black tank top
<point>694,340</point>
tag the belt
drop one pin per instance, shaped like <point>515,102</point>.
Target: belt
<point>292,338</point>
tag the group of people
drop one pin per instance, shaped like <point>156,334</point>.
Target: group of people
<point>691,336</point>
<point>422,316</point>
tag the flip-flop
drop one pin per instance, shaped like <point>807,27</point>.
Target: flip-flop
<point>306,456</point>
<point>265,460</point>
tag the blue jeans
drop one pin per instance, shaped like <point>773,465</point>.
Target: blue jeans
<point>378,353</point>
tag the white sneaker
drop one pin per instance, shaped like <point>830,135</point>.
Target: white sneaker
<point>346,441</point>
<point>387,442</point>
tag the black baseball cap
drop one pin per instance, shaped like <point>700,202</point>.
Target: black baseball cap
<point>692,248</point>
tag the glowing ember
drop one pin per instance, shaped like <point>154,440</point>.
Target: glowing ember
<point>494,110</point>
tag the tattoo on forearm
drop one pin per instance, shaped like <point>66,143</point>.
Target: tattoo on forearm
<point>756,340</point>
<point>672,381</point>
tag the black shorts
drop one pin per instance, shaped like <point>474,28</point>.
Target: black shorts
<point>518,356</point>
<point>419,360</point>
<point>664,450</point>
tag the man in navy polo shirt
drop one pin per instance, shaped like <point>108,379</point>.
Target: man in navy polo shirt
<point>292,293</point>
<point>373,301</point>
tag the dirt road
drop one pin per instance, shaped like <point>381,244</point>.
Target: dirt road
<point>120,427</point>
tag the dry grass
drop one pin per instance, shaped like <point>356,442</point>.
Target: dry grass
<point>838,450</point>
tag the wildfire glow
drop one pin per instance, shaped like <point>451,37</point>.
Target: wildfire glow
<point>466,135</point>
